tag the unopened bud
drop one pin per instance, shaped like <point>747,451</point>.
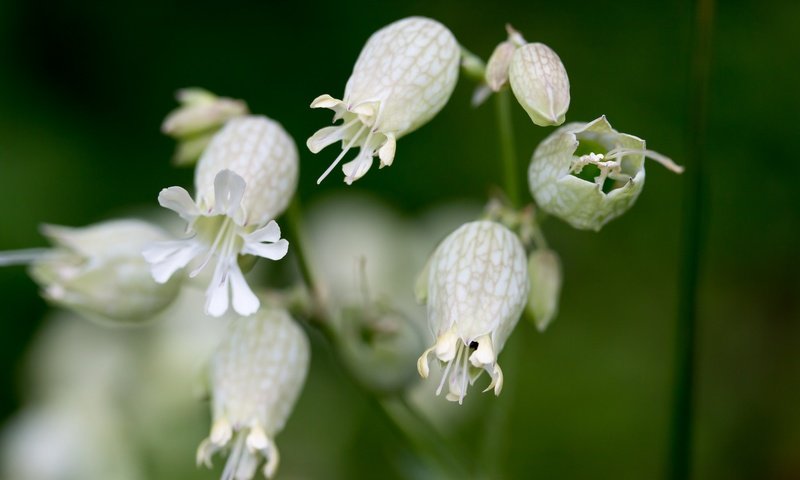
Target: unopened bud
<point>544,270</point>
<point>498,65</point>
<point>540,83</point>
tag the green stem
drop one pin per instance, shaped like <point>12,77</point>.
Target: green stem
<point>680,446</point>
<point>420,435</point>
<point>507,150</point>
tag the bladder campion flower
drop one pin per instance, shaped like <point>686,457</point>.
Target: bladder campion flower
<point>588,173</point>
<point>244,180</point>
<point>98,270</point>
<point>402,78</point>
<point>256,375</point>
<point>476,284</point>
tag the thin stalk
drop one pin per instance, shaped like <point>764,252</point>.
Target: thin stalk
<point>497,421</point>
<point>415,429</point>
<point>507,150</point>
<point>680,446</point>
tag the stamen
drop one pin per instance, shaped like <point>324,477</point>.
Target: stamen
<point>446,374</point>
<point>465,368</point>
<point>667,162</point>
<point>341,155</point>
<point>222,233</point>
<point>232,465</point>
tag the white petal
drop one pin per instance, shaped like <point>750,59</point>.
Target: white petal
<point>269,233</point>
<point>272,251</point>
<point>217,293</point>
<point>386,152</point>
<point>168,257</point>
<point>325,136</point>
<point>244,300</point>
<point>228,192</point>
<point>356,168</point>
<point>325,101</point>
<point>179,201</point>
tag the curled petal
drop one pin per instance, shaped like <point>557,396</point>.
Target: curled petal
<point>387,150</point>
<point>178,200</point>
<point>269,233</point>
<point>272,251</point>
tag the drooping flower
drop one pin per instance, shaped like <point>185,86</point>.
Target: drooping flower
<point>245,178</point>
<point>588,173</point>
<point>98,270</point>
<point>402,78</point>
<point>256,376</point>
<point>476,284</point>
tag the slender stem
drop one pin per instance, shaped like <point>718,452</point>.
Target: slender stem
<point>428,441</point>
<point>397,413</point>
<point>507,150</point>
<point>497,421</point>
<point>680,447</point>
<point>294,217</point>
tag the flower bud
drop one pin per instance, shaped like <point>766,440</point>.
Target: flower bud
<point>498,65</point>
<point>477,285</point>
<point>256,375</point>
<point>544,270</point>
<point>402,78</point>
<point>245,179</point>
<point>200,115</point>
<point>588,173</point>
<point>98,271</point>
<point>540,83</point>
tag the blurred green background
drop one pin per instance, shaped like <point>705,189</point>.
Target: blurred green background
<point>85,85</point>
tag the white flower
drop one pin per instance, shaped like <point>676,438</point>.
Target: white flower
<point>98,270</point>
<point>256,375</point>
<point>476,284</point>
<point>588,173</point>
<point>245,178</point>
<point>402,78</point>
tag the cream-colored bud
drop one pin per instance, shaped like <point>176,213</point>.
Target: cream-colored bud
<point>540,83</point>
<point>544,270</point>
<point>498,65</point>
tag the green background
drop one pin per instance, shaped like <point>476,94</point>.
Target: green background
<point>84,87</point>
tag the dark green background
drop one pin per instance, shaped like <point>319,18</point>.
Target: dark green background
<point>84,87</point>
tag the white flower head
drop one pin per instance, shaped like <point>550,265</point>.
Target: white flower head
<point>98,271</point>
<point>256,375</point>
<point>476,284</point>
<point>244,179</point>
<point>588,173</point>
<point>402,78</point>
